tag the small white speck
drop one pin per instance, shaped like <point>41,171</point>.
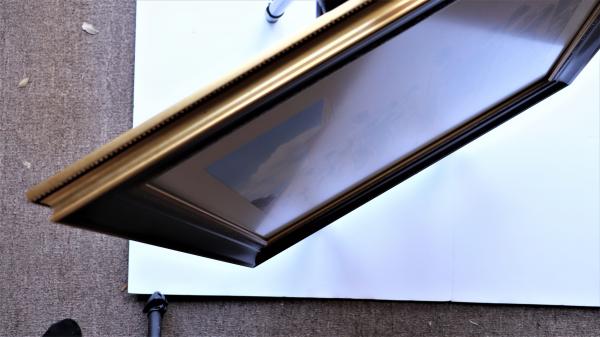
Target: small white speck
<point>430,323</point>
<point>89,28</point>
<point>23,83</point>
<point>27,164</point>
<point>473,322</point>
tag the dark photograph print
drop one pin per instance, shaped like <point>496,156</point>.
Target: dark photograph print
<point>263,168</point>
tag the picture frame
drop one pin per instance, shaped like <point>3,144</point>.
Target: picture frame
<point>369,95</point>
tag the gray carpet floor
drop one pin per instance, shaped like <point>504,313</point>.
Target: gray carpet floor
<point>79,97</point>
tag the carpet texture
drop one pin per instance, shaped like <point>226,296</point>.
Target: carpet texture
<point>78,97</point>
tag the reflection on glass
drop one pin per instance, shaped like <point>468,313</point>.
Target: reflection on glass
<point>381,107</point>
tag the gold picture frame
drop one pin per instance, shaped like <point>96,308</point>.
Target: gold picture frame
<point>117,189</point>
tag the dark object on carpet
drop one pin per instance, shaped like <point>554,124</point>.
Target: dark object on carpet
<point>65,328</point>
<point>155,308</point>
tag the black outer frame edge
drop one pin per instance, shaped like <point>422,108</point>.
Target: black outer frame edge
<point>495,117</point>
<point>76,220</point>
<point>586,48</point>
<point>82,220</point>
